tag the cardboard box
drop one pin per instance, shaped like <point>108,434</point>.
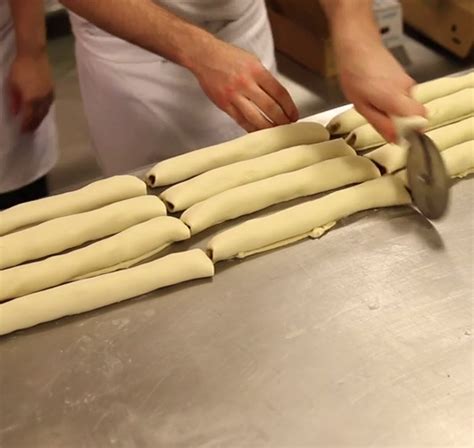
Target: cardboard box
<point>307,13</point>
<point>301,31</point>
<point>450,23</point>
<point>302,45</point>
<point>388,14</point>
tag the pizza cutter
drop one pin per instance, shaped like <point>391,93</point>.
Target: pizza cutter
<point>428,179</point>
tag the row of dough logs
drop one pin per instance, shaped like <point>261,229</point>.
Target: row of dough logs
<point>249,146</point>
<point>94,195</point>
<point>349,120</point>
<point>254,181</point>
<point>440,112</point>
<point>394,157</point>
<point>310,219</point>
<point>182,196</point>
<point>120,251</point>
<point>459,161</point>
<point>60,234</point>
<point>249,198</point>
<point>89,294</point>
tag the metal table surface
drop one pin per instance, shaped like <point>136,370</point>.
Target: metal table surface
<point>362,338</point>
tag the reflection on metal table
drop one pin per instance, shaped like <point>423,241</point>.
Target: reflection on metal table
<point>362,338</point>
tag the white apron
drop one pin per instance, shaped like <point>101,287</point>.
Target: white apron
<point>24,158</point>
<point>142,108</point>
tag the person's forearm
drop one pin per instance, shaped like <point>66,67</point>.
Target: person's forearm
<point>29,25</point>
<point>352,23</point>
<point>144,23</point>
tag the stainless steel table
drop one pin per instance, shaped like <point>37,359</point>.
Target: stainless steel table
<point>360,339</point>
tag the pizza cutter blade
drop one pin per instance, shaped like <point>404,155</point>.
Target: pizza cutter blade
<point>427,176</point>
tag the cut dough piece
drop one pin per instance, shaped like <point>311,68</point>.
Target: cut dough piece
<point>246,199</point>
<point>441,111</point>
<point>184,195</point>
<point>247,147</point>
<point>347,121</point>
<point>394,157</point>
<point>459,161</point>
<point>309,219</point>
<point>90,197</point>
<point>403,125</point>
<point>63,233</point>
<point>120,251</point>
<point>90,294</point>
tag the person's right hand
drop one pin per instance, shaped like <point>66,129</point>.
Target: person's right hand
<point>30,89</point>
<point>377,85</point>
<point>237,82</point>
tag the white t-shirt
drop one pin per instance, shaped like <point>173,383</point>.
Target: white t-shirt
<point>24,158</point>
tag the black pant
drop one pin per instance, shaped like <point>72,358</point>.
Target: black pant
<point>36,190</point>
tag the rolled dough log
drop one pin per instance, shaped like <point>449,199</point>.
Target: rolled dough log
<point>393,157</point>
<point>437,88</point>
<point>246,147</point>
<point>311,219</point>
<point>117,252</point>
<point>246,199</point>
<point>459,161</point>
<point>441,111</point>
<point>90,294</point>
<point>184,195</point>
<point>63,233</point>
<point>348,120</point>
<point>92,196</point>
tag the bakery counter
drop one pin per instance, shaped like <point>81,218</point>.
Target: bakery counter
<point>362,338</point>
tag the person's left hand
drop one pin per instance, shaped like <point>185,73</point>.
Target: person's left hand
<point>377,85</point>
<point>30,89</point>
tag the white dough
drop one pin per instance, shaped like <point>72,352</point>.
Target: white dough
<point>459,161</point>
<point>441,111</point>
<point>312,219</point>
<point>63,233</point>
<point>90,197</point>
<point>348,120</point>
<point>184,195</point>
<point>249,146</point>
<point>249,198</point>
<point>404,125</point>
<point>437,88</point>
<point>120,251</point>
<point>90,294</point>
<point>394,157</point>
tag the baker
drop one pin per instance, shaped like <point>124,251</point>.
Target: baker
<point>168,76</point>
<point>27,132</point>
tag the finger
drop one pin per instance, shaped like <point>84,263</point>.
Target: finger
<point>239,118</point>
<point>280,95</point>
<point>400,105</point>
<point>36,119</point>
<point>32,116</point>
<point>27,117</point>
<point>251,113</point>
<point>267,105</point>
<point>409,83</point>
<point>34,113</point>
<point>15,101</point>
<point>381,122</point>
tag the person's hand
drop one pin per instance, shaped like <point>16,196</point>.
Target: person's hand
<point>30,89</point>
<point>238,83</point>
<point>377,85</point>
